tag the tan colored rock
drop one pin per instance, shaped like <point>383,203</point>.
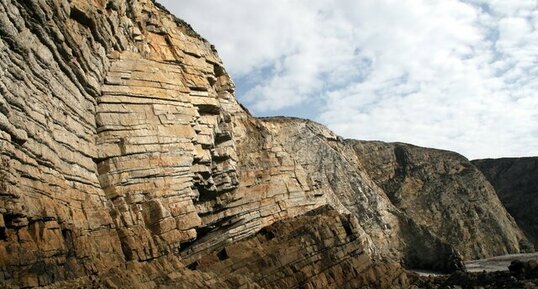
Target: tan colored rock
<point>125,159</point>
<point>318,250</point>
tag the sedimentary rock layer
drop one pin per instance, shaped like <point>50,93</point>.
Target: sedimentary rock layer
<point>516,182</point>
<point>126,160</point>
<point>406,194</point>
<point>320,249</point>
<point>443,191</point>
<point>112,131</point>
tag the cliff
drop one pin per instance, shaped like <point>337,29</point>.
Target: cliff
<point>445,192</point>
<point>516,182</point>
<point>127,162</point>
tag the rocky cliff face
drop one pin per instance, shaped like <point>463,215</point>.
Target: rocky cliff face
<point>404,192</point>
<point>113,133</point>
<point>127,162</point>
<point>433,186</point>
<point>516,183</point>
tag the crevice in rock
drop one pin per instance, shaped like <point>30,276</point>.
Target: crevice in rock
<point>267,234</point>
<point>193,266</point>
<point>347,227</point>
<point>3,233</point>
<point>223,255</point>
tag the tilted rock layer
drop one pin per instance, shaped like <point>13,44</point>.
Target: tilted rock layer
<point>127,162</point>
<point>444,192</point>
<point>516,182</point>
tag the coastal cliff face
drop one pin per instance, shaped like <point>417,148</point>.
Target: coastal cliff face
<point>516,182</point>
<point>407,196</point>
<point>126,161</point>
<point>433,186</point>
<point>112,128</point>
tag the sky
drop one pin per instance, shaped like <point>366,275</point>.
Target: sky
<point>460,75</point>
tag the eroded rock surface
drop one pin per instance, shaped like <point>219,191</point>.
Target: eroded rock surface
<point>335,169</point>
<point>516,182</point>
<point>320,249</point>
<point>112,133</point>
<point>444,192</point>
<point>127,162</point>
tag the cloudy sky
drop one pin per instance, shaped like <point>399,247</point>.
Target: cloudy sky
<point>457,75</point>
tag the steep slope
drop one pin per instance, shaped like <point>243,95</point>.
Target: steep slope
<point>516,182</point>
<point>316,250</point>
<point>444,192</point>
<point>335,170</point>
<point>127,162</point>
<point>112,128</point>
<point>118,139</point>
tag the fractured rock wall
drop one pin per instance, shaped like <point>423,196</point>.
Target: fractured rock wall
<point>125,156</point>
<point>335,170</point>
<point>444,192</point>
<point>56,216</point>
<point>119,144</point>
<point>317,250</point>
<point>320,249</point>
<point>111,136</point>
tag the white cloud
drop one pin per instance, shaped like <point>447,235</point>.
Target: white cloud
<point>460,75</point>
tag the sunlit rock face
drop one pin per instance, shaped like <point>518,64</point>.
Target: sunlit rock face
<point>407,196</point>
<point>113,132</point>
<point>126,161</point>
<point>516,183</point>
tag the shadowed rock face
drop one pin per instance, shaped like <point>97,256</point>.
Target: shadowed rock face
<point>126,160</point>
<point>406,193</point>
<point>320,249</point>
<point>516,183</point>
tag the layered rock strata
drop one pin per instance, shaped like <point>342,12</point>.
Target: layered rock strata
<point>443,191</point>
<point>403,193</point>
<point>516,182</point>
<point>320,249</point>
<point>113,134</point>
<point>126,160</point>
<point>335,169</point>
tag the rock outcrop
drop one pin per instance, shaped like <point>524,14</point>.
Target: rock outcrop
<point>444,192</point>
<point>127,162</point>
<point>113,133</point>
<point>516,182</point>
<point>317,250</point>
<point>320,249</point>
<point>337,174</point>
